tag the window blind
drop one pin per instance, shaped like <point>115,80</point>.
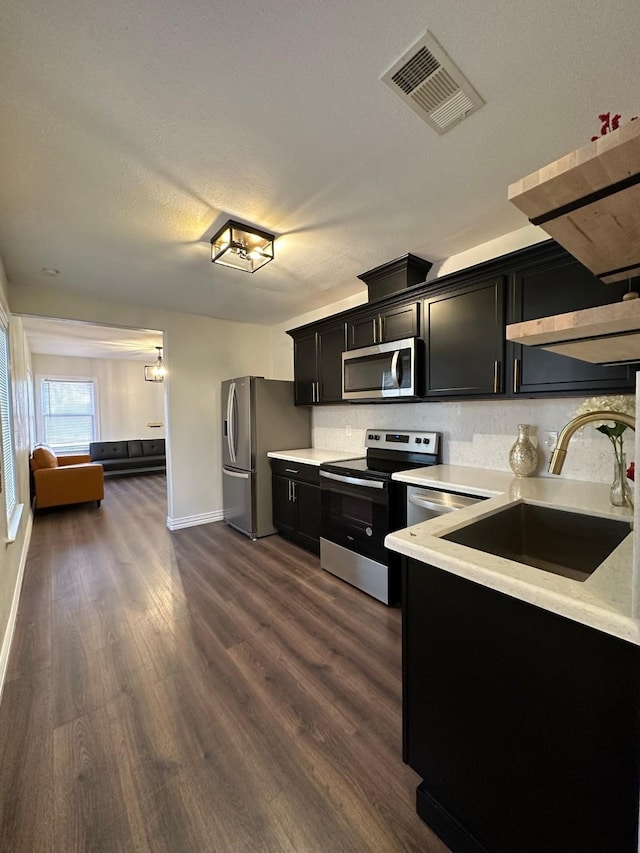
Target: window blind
<point>68,413</point>
<point>8,467</point>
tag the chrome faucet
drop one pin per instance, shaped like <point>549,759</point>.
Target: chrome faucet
<point>560,450</point>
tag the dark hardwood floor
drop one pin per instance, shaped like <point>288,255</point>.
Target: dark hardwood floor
<point>195,691</point>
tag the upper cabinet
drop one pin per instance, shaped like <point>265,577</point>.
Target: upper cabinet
<point>589,201</point>
<point>464,334</point>
<point>317,365</point>
<point>554,287</point>
<point>391,324</point>
<point>462,319</point>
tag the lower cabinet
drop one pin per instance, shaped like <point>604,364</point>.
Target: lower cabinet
<point>524,725</point>
<point>296,503</point>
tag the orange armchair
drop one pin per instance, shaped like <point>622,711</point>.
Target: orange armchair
<point>60,480</point>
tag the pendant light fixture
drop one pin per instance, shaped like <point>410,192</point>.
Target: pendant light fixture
<point>155,372</point>
<point>242,247</point>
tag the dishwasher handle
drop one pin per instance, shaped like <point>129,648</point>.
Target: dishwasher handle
<point>441,502</point>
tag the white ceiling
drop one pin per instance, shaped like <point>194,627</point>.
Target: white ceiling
<point>88,340</point>
<point>131,131</point>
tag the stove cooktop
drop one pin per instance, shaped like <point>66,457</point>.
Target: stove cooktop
<point>391,451</point>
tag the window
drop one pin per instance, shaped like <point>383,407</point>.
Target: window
<point>68,409</point>
<point>8,466</point>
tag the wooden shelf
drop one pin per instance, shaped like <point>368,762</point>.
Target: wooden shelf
<point>589,202</point>
<point>607,334</point>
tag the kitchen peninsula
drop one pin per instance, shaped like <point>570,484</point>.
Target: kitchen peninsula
<point>521,688</point>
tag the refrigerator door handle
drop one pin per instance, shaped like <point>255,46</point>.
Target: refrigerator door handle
<point>239,475</point>
<point>231,416</point>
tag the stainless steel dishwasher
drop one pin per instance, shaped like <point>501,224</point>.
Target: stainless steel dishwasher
<point>424,502</point>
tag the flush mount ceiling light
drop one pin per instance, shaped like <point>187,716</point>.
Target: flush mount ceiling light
<point>242,247</point>
<point>157,371</point>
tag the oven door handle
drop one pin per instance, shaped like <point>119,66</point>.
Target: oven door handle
<point>354,481</point>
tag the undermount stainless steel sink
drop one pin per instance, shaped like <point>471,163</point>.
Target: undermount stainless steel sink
<point>565,543</point>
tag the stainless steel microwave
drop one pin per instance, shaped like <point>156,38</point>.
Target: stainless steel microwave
<point>383,371</point>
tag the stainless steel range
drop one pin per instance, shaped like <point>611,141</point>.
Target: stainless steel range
<point>360,504</point>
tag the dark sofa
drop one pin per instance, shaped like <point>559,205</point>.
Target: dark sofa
<point>139,456</point>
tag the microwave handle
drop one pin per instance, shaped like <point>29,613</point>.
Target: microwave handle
<point>395,374</point>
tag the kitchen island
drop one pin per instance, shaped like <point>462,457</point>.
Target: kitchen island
<point>521,688</point>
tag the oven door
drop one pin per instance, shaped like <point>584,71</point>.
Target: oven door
<point>355,514</point>
<point>381,371</point>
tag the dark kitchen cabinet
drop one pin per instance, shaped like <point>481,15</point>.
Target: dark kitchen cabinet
<point>391,324</point>
<point>464,336</point>
<point>317,364</point>
<point>305,369</point>
<point>296,503</point>
<point>284,509</point>
<point>462,319</point>
<point>557,287</point>
<point>524,725</point>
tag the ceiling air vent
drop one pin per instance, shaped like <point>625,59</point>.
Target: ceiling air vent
<point>428,81</point>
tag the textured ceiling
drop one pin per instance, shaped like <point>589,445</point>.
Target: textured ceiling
<point>131,131</point>
<point>88,340</point>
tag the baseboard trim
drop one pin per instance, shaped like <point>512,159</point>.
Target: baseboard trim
<point>194,520</point>
<point>13,613</point>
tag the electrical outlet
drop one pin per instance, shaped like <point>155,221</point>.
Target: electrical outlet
<point>347,430</point>
<point>550,439</point>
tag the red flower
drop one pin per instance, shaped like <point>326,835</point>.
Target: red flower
<point>631,471</point>
<point>608,124</point>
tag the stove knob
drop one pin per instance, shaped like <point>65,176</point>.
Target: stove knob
<point>377,437</point>
<point>426,440</point>
<point>418,441</point>
<point>370,435</point>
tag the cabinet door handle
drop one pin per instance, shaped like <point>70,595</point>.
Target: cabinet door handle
<point>317,384</point>
<point>288,490</point>
<point>313,392</point>
<point>294,496</point>
<point>375,331</point>
<point>496,377</point>
<point>381,323</point>
<point>516,375</point>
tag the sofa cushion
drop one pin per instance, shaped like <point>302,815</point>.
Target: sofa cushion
<point>102,450</point>
<point>43,457</point>
<point>153,446</point>
<point>135,448</point>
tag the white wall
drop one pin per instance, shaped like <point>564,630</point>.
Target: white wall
<point>126,403</point>
<point>199,353</point>
<point>282,343</point>
<point>478,434</point>
<point>13,554</point>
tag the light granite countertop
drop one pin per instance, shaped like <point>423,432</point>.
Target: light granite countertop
<point>604,601</point>
<point>313,455</point>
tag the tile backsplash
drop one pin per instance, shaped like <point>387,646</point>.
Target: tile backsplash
<point>478,434</point>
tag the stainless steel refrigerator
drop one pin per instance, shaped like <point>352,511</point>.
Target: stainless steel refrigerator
<point>258,415</point>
